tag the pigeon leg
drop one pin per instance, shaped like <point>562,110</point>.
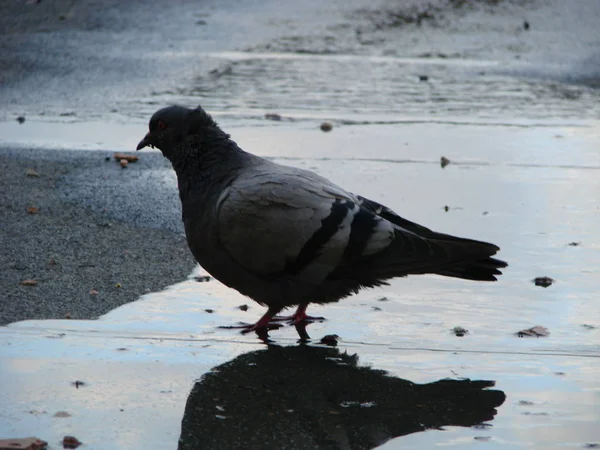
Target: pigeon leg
<point>265,323</point>
<point>298,317</point>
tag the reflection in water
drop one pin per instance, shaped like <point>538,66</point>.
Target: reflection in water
<point>309,397</point>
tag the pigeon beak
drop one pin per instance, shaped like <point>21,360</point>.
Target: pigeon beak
<point>147,141</point>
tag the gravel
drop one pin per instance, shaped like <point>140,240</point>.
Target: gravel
<point>91,234</point>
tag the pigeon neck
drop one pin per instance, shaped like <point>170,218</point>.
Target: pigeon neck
<point>204,163</point>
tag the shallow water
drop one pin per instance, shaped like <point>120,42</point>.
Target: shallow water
<point>522,134</point>
<point>535,207</point>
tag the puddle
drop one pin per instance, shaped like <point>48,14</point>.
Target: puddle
<point>147,365</point>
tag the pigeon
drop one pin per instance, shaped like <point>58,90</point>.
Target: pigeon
<point>288,237</point>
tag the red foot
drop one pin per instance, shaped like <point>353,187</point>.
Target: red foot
<point>298,317</point>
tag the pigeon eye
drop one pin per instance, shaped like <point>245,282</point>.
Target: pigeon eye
<point>161,125</point>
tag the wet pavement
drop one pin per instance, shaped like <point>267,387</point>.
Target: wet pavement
<point>522,135</point>
<point>140,362</point>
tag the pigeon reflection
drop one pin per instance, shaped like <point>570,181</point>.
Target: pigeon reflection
<point>318,398</point>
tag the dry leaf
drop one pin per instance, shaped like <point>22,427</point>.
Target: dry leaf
<point>32,209</point>
<point>29,443</point>
<point>71,442</point>
<point>31,173</point>
<point>28,283</point>
<point>537,331</point>
<point>124,156</point>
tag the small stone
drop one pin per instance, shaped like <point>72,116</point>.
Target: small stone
<point>21,119</point>
<point>202,278</point>
<point>93,292</point>
<point>330,340</point>
<point>71,442</point>
<point>543,281</point>
<point>446,208</point>
<point>460,331</point>
<point>272,116</point>
<point>423,78</point>
<point>118,285</point>
<point>444,161</point>
<point>376,308</point>
<point>326,126</point>
<point>209,311</point>
<point>123,163</point>
<point>526,25</point>
<point>67,315</point>
<point>31,173</point>
<point>574,244</point>
<point>243,307</point>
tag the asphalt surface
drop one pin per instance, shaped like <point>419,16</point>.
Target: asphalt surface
<point>64,232</point>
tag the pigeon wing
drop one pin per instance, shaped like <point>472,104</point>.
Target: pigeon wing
<point>293,223</point>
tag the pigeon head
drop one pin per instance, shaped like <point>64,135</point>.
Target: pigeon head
<point>171,125</point>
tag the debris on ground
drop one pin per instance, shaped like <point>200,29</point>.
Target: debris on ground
<point>93,292</point>
<point>29,443</point>
<point>32,173</point>
<point>588,327</point>
<point>29,283</point>
<point>243,307</point>
<point>21,119</point>
<point>330,339</point>
<point>273,116</point>
<point>32,209</point>
<point>460,331</point>
<point>326,126</point>
<point>383,299</point>
<point>423,78</point>
<point>537,331</point>
<point>125,156</point>
<point>123,163</point>
<point>543,281</point>
<point>62,414</point>
<point>446,208</point>
<point>210,311</point>
<point>202,278</point>
<point>444,161</point>
<point>574,244</point>
<point>71,442</point>
<point>78,383</point>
